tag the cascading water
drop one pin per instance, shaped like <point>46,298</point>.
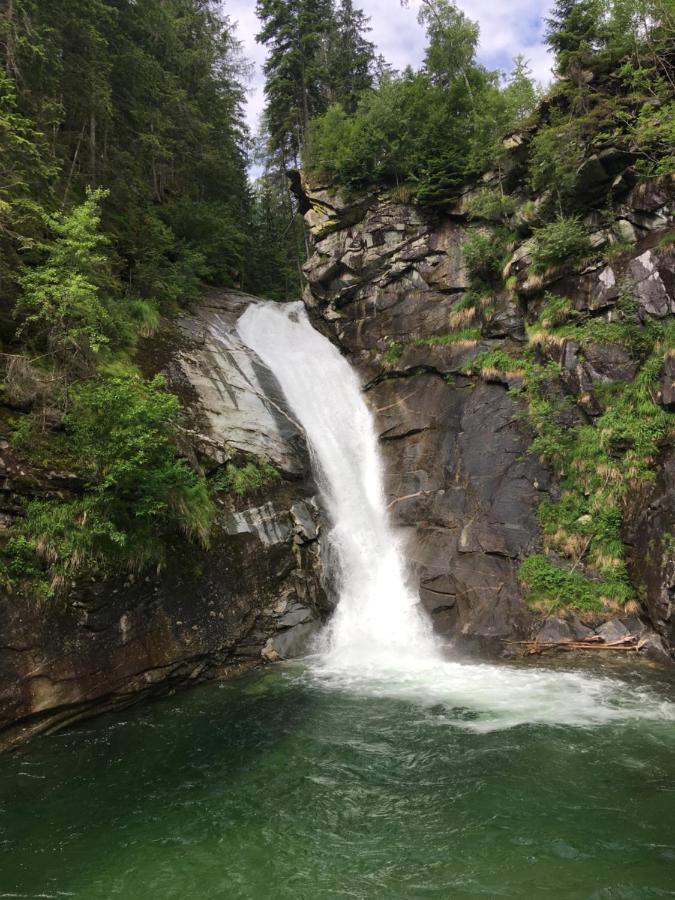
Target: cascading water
<point>379,641</point>
<point>378,613</point>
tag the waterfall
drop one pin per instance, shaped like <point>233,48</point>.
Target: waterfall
<point>378,642</point>
<point>378,613</point>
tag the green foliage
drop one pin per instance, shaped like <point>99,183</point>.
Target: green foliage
<point>452,41</point>
<point>120,431</point>
<point>556,310</point>
<point>393,353</point>
<point>574,31</point>
<point>124,155</point>
<point>654,135</point>
<point>278,239</point>
<point>485,253</point>
<point>143,101</point>
<point>600,465</point>
<point>250,478</point>
<point>430,129</point>
<point>556,153</point>
<point>64,303</point>
<point>491,204</point>
<point>561,240</point>
<point>317,55</point>
<point>521,94</point>
<point>551,587</point>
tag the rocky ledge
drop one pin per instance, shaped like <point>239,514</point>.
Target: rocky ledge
<point>255,594</point>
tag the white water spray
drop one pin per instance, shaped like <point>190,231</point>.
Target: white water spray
<point>379,641</point>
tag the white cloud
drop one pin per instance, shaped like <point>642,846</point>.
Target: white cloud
<point>506,30</point>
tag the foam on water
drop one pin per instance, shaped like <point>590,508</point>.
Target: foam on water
<point>379,641</point>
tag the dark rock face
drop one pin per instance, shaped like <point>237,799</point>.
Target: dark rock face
<point>386,281</point>
<point>651,537</point>
<point>209,613</point>
<point>458,478</point>
<point>457,471</point>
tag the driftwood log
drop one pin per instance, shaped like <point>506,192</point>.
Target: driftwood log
<point>628,644</point>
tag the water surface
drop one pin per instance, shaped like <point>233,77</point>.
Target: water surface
<point>281,785</point>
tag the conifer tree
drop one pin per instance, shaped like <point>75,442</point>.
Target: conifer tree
<point>294,33</point>
<point>574,31</point>
<point>317,55</point>
<point>351,57</point>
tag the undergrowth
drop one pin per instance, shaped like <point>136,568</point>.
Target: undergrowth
<point>600,464</point>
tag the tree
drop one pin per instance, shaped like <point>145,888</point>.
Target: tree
<point>278,240</point>
<point>66,302</point>
<point>318,55</point>
<point>574,31</point>
<point>452,42</point>
<point>295,69</point>
<point>351,57</point>
<point>520,94</point>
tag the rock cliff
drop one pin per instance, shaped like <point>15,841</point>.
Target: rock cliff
<point>257,590</point>
<point>390,282</point>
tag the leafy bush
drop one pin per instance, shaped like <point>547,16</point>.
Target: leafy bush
<point>562,240</point>
<point>485,253</point>
<point>67,301</point>
<point>492,204</point>
<point>654,136</point>
<point>138,489</point>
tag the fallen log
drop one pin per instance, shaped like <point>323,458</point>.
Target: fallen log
<point>628,644</point>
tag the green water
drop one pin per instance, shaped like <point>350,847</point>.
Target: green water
<point>275,786</point>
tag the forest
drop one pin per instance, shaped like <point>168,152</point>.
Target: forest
<point>126,193</point>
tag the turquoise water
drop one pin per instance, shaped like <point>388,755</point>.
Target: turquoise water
<point>278,786</point>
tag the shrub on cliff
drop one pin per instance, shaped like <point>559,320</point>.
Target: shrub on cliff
<point>562,240</point>
<point>137,488</point>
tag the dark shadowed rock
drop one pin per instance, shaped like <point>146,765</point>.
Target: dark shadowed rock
<point>668,382</point>
<point>612,631</point>
<point>554,630</point>
<point>293,643</point>
<point>650,533</point>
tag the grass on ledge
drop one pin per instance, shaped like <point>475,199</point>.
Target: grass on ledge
<point>550,588</point>
<point>464,336</point>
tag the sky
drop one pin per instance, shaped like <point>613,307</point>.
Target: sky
<point>507,27</point>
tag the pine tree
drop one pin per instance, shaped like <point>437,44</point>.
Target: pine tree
<point>574,31</point>
<point>295,33</point>
<point>318,54</point>
<point>351,57</point>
